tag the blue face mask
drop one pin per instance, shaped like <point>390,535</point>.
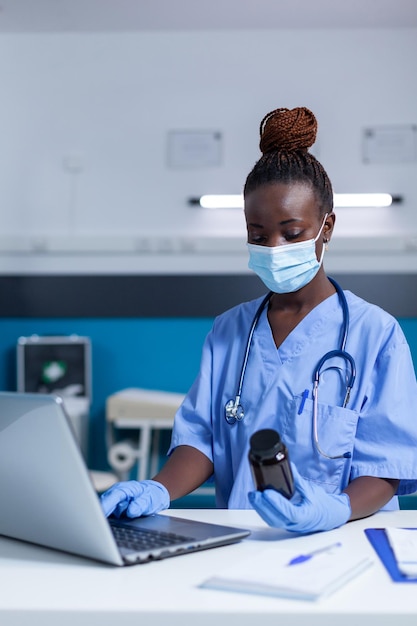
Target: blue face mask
<point>286,268</point>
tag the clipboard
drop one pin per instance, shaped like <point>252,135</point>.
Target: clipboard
<point>379,541</point>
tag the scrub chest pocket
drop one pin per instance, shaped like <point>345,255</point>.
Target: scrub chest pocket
<point>336,429</point>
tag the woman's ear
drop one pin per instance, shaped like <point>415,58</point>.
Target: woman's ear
<point>328,227</point>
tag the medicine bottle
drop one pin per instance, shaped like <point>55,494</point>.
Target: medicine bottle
<point>269,461</point>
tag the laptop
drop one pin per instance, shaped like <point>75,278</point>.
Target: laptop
<point>47,497</point>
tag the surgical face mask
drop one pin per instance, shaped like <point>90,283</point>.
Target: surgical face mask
<point>286,268</point>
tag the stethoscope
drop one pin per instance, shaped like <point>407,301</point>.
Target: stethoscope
<point>234,411</point>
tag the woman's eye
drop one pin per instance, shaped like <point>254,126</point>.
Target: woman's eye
<point>256,239</point>
<point>292,236</point>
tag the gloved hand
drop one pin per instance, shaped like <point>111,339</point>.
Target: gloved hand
<point>310,509</point>
<point>133,498</point>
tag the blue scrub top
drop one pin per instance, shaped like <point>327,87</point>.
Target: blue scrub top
<point>379,427</point>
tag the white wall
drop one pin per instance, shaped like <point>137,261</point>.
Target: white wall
<point>107,102</point>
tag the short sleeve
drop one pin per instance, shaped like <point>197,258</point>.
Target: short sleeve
<point>386,440</point>
<point>192,423</point>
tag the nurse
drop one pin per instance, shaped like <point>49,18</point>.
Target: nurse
<point>349,459</point>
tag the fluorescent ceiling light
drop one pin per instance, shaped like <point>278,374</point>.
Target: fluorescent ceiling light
<point>361,200</point>
<point>229,201</point>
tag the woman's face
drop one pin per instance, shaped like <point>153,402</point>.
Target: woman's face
<point>279,213</point>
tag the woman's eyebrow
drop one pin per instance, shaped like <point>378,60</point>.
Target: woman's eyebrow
<point>292,219</point>
<point>283,223</point>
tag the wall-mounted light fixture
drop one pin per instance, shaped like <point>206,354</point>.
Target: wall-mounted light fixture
<point>349,200</point>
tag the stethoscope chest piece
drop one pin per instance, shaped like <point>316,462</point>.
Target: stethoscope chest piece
<point>234,411</point>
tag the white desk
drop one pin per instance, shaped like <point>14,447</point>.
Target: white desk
<point>42,587</point>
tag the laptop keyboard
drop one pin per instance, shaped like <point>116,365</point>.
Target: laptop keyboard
<point>138,540</point>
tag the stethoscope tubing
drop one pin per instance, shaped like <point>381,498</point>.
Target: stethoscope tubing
<point>249,341</point>
<point>345,312</point>
<point>233,410</point>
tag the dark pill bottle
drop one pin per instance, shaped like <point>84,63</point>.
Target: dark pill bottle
<point>270,464</point>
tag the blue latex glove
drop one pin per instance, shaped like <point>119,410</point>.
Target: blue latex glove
<point>133,498</point>
<point>310,509</point>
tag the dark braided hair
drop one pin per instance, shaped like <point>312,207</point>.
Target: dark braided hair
<point>286,136</point>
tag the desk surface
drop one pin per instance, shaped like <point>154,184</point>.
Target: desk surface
<point>40,586</point>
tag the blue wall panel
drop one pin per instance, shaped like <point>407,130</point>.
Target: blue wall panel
<point>409,327</point>
<point>152,353</point>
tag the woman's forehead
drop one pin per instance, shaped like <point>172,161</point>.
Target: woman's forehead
<point>294,199</point>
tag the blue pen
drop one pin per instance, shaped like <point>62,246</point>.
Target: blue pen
<point>302,558</point>
<point>303,401</point>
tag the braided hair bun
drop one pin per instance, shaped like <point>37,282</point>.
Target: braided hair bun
<point>286,136</point>
<point>288,129</point>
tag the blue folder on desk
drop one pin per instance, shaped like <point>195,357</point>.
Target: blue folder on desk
<point>380,543</point>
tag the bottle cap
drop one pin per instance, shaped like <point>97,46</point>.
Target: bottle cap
<point>265,443</point>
